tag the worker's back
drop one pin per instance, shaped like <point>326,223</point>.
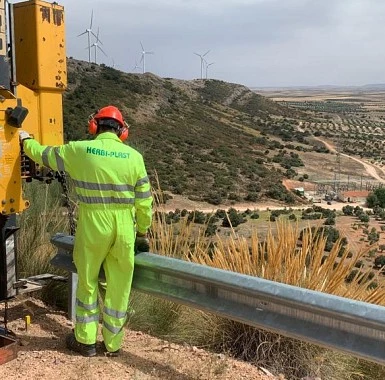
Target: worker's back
<point>104,171</point>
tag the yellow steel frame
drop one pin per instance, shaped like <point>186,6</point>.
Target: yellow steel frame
<point>41,73</point>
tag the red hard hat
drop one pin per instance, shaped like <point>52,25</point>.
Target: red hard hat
<point>110,112</point>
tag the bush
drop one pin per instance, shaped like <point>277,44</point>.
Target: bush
<point>211,229</point>
<point>197,217</point>
<point>379,261</point>
<point>233,219</point>
<point>359,264</point>
<point>352,275</point>
<point>330,221</point>
<point>348,210</point>
<point>254,215</point>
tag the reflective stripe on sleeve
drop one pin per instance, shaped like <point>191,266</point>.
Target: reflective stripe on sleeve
<point>44,156</point>
<point>105,200</point>
<point>114,313</point>
<point>102,186</point>
<point>59,160</point>
<point>142,181</point>
<point>146,194</point>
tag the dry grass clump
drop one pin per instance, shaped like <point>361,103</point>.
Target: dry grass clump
<point>44,218</point>
<point>281,257</point>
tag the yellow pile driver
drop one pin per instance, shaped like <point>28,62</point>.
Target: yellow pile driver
<point>33,76</point>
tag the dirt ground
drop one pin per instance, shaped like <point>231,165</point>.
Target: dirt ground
<point>42,354</point>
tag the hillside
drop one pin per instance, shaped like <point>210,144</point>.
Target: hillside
<point>206,139</point>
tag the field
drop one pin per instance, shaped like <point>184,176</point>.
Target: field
<point>352,118</point>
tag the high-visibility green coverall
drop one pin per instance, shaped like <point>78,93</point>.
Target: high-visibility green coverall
<point>114,202</point>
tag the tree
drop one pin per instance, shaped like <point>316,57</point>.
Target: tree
<point>348,210</point>
<point>376,198</point>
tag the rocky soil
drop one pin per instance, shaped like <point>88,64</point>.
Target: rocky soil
<point>42,354</point>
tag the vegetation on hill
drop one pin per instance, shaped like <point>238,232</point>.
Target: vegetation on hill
<point>206,139</point>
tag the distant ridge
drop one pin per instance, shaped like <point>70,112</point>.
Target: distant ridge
<point>326,87</point>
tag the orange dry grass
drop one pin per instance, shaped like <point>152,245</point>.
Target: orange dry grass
<point>278,258</point>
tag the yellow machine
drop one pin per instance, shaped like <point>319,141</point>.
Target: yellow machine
<point>33,76</point>
<point>37,64</point>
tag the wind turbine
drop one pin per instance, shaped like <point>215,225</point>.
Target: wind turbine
<point>136,66</point>
<point>96,46</point>
<point>202,59</point>
<point>207,67</point>
<point>89,32</point>
<point>143,59</point>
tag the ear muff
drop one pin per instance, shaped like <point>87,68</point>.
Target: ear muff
<point>124,132</point>
<point>123,135</point>
<point>92,125</point>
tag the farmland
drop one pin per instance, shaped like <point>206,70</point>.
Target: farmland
<point>352,118</point>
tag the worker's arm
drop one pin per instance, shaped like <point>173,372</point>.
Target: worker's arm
<point>143,201</point>
<point>50,156</point>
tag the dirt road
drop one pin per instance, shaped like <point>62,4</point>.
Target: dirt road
<point>370,168</point>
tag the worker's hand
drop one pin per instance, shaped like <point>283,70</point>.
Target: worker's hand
<point>142,244</point>
<point>23,135</point>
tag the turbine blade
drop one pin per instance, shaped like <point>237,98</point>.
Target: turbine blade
<point>198,54</point>
<point>207,52</point>
<point>81,34</point>
<point>141,45</point>
<point>102,51</point>
<point>97,38</point>
<point>141,59</point>
<point>149,52</point>
<point>92,16</point>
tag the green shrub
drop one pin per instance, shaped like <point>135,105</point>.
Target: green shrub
<point>379,261</point>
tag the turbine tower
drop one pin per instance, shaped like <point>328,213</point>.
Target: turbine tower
<point>143,59</point>
<point>207,67</point>
<point>96,46</point>
<point>202,59</point>
<point>89,32</point>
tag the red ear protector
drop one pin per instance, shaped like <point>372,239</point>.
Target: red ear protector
<point>92,126</point>
<point>123,132</point>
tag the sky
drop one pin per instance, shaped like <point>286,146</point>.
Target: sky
<point>257,43</point>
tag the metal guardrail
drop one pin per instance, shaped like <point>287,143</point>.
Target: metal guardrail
<point>339,323</point>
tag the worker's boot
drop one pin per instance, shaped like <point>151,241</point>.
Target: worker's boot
<point>72,344</point>
<point>110,354</point>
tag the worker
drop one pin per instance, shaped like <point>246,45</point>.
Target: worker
<point>115,211</point>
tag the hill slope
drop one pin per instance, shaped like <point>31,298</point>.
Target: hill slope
<point>206,139</point>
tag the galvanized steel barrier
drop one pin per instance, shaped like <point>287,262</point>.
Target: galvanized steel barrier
<point>339,323</point>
